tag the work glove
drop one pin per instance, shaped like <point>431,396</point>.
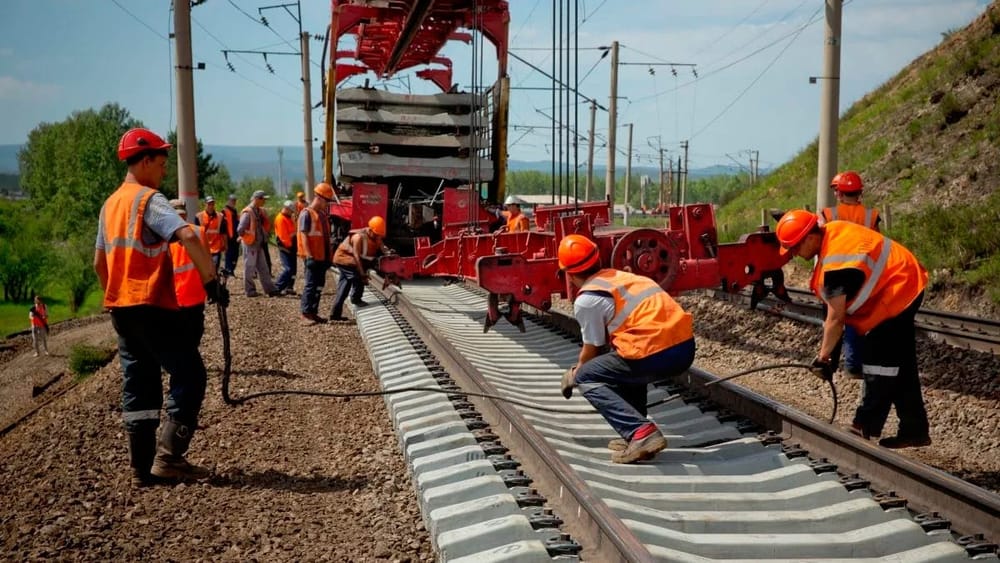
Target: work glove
<point>217,293</point>
<point>823,369</point>
<point>569,382</point>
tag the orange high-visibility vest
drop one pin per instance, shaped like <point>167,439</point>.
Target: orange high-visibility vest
<point>893,276</point>
<point>516,223</point>
<point>345,251</point>
<point>853,212</point>
<point>41,316</point>
<point>187,280</point>
<point>315,243</point>
<point>250,236</point>
<point>138,273</point>
<point>231,221</point>
<point>284,229</point>
<point>647,320</point>
<point>212,228</point>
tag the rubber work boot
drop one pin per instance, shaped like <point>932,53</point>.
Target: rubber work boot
<point>641,449</point>
<point>170,449</point>
<point>896,442</point>
<point>618,445</point>
<point>141,450</point>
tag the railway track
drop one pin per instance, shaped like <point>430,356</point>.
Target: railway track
<point>962,331</point>
<point>742,477</point>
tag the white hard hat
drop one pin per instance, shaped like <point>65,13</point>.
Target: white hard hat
<point>511,200</point>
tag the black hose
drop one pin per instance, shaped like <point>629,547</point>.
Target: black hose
<point>833,388</point>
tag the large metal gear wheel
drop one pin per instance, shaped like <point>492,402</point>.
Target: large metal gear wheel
<point>649,253</point>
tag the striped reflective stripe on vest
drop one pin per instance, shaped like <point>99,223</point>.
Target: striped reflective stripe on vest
<point>184,268</point>
<point>877,269</point>
<point>869,215</point>
<point>132,242</point>
<point>631,300</point>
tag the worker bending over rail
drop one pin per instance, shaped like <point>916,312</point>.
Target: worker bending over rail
<point>352,258</point>
<point>875,285</point>
<point>651,338</point>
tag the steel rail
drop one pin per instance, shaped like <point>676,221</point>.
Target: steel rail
<point>584,513</point>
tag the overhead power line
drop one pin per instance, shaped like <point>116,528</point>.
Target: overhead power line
<point>136,18</point>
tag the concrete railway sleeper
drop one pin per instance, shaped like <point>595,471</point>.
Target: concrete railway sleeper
<point>725,488</point>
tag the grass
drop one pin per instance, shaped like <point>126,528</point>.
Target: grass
<point>85,359</point>
<point>14,316</point>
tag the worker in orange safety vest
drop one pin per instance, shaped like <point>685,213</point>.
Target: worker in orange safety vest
<point>314,249</point>
<point>285,234</point>
<point>133,264</point>
<point>874,284</point>
<point>352,258</point>
<point>848,187</point>
<point>232,218</point>
<point>650,337</point>
<point>516,220</point>
<point>187,285</point>
<point>214,225</point>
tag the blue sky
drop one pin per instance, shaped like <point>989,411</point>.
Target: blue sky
<point>57,56</point>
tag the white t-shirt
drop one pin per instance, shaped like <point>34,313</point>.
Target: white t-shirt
<point>594,311</point>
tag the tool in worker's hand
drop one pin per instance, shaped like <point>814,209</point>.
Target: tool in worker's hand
<point>822,369</point>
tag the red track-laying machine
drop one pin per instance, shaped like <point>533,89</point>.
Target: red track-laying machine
<point>434,167</point>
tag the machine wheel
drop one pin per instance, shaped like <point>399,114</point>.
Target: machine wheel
<point>649,253</point>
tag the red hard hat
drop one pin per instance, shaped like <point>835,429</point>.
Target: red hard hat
<point>377,225</point>
<point>848,182</point>
<point>577,253</point>
<point>793,227</point>
<point>135,141</point>
<point>323,190</point>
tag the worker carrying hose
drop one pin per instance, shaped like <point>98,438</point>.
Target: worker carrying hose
<point>875,285</point>
<point>133,264</point>
<point>650,335</point>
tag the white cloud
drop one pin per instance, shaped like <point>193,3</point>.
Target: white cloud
<point>13,89</point>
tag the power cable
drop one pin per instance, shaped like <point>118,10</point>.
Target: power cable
<point>725,34</point>
<point>755,80</point>
<point>226,48</point>
<point>136,18</point>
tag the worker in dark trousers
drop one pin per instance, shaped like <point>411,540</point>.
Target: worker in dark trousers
<point>650,335</point>
<point>132,262</point>
<point>232,218</point>
<point>875,285</point>
<point>351,259</point>
<point>314,249</point>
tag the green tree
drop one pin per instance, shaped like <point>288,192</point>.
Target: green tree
<point>206,168</point>
<point>24,255</point>
<point>75,269</point>
<point>219,185</point>
<point>69,168</point>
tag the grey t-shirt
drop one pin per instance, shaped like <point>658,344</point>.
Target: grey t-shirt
<point>594,311</point>
<point>159,222</point>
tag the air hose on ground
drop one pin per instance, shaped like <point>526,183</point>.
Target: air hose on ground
<point>231,401</point>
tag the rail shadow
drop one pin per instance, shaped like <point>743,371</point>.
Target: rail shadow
<point>280,481</point>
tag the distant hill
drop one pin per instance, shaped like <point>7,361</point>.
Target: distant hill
<point>248,161</point>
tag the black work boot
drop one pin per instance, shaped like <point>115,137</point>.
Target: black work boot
<point>141,450</point>
<point>170,449</point>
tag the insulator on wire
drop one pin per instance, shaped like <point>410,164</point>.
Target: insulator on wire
<point>652,72</point>
<point>673,71</point>
<point>263,20</point>
<point>694,71</point>
<point>231,67</point>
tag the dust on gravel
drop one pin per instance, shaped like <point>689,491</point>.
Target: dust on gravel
<point>294,478</point>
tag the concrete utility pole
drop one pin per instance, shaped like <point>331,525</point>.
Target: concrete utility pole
<point>307,112</point>
<point>590,152</point>
<point>661,177</point>
<point>187,163</point>
<point>671,199</point>
<point>628,174</point>
<point>609,182</point>
<point>684,178</point>
<point>829,105</point>
<point>281,172</point>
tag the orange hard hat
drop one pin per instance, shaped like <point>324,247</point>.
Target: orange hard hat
<point>300,195</point>
<point>793,228</point>
<point>138,140</point>
<point>848,182</point>
<point>577,253</point>
<point>377,225</point>
<point>323,190</point>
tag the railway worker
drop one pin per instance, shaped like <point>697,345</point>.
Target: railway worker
<point>252,229</point>
<point>875,285</point>
<point>650,335</point>
<point>516,221</point>
<point>848,187</point>
<point>187,285</point>
<point>231,216</point>
<point>300,203</point>
<point>284,232</point>
<point>214,227</point>
<point>352,258</point>
<point>314,249</point>
<point>38,314</point>
<point>132,262</point>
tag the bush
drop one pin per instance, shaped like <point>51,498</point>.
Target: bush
<point>85,359</point>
